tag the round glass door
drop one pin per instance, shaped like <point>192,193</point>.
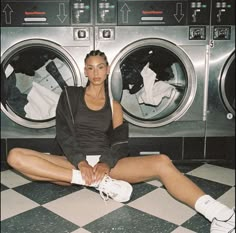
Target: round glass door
<point>228,85</point>
<point>154,81</point>
<point>33,74</point>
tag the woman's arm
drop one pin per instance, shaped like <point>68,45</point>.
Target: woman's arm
<point>118,138</point>
<point>117,117</point>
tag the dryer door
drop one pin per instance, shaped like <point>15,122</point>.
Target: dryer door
<point>227,86</point>
<point>155,82</point>
<point>33,74</point>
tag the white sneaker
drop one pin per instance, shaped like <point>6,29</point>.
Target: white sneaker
<point>219,226</point>
<point>118,190</point>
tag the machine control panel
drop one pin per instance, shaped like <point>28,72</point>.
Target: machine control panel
<point>152,12</point>
<point>165,12</point>
<point>81,12</point>
<point>106,11</point>
<point>199,12</point>
<point>46,13</point>
<point>223,12</point>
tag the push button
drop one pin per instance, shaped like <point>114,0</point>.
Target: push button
<point>106,33</point>
<point>81,34</point>
<point>197,33</point>
<point>222,33</point>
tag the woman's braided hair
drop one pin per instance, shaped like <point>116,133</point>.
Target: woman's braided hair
<point>96,53</point>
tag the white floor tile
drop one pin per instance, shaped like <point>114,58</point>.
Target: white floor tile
<point>12,180</point>
<point>228,198</point>
<point>13,203</point>
<point>160,204</point>
<point>82,207</point>
<point>182,230</point>
<point>155,183</point>
<point>81,230</point>
<point>215,173</point>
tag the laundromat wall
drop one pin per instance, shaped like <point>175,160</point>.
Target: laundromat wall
<point>172,70</point>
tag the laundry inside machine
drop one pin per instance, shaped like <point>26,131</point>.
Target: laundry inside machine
<point>153,81</point>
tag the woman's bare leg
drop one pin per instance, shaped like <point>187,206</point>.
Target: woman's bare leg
<point>138,169</point>
<point>41,167</point>
<point>58,169</point>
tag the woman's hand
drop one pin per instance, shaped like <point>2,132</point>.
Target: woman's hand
<point>86,172</point>
<point>99,170</point>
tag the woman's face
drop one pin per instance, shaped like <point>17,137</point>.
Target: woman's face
<point>96,70</point>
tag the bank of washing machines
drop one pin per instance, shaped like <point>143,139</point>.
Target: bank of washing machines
<point>159,53</point>
<point>220,130</point>
<point>43,45</point>
<point>162,55</point>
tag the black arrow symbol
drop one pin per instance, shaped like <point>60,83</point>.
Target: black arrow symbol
<point>62,12</point>
<point>125,13</point>
<point>7,11</point>
<point>179,12</point>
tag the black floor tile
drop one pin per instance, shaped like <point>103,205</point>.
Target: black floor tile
<point>130,220</point>
<point>198,224</point>
<point>37,220</point>
<point>212,188</point>
<point>3,187</point>
<point>43,192</point>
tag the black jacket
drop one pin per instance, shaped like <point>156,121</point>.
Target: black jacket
<point>65,133</point>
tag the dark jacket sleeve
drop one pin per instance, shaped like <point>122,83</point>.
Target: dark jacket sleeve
<point>65,133</point>
<point>119,145</point>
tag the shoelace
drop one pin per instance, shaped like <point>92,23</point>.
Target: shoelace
<point>105,195</point>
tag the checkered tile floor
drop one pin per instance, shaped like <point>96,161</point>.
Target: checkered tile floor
<point>31,207</point>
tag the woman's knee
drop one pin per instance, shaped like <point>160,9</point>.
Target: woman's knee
<point>163,163</point>
<point>14,157</point>
<point>164,159</point>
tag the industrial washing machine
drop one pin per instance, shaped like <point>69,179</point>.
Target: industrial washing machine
<point>221,98</point>
<point>220,130</point>
<point>158,54</point>
<point>43,45</point>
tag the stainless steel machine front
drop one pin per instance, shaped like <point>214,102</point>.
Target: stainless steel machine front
<point>221,90</point>
<point>158,54</point>
<point>43,45</point>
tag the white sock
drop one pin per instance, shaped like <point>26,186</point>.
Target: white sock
<point>77,178</point>
<point>210,208</point>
